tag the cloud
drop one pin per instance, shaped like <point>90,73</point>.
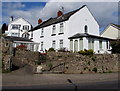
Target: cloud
<point>104,12</point>
<point>18,10</point>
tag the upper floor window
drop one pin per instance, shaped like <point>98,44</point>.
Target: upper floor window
<point>86,29</point>
<point>16,27</point>
<point>42,33</point>
<point>53,30</point>
<point>25,27</point>
<point>61,27</point>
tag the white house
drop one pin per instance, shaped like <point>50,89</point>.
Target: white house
<point>18,34</point>
<point>19,28</point>
<point>112,31</point>
<point>75,31</point>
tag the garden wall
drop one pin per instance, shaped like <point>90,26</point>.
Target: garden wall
<point>76,63</point>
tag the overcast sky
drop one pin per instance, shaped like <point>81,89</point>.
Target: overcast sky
<point>104,12</point>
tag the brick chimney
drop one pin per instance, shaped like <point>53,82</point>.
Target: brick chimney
<point>39,21</point>
<point>59,13</point>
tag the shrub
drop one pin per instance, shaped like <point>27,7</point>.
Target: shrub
<point>82,52</point>
<point>86,52</point>
<point>63,50</point>
<point>21,47</point>
<point>94,69</point>
<point>51,50</point>
<point>89,52</point>
<point>115,46</point>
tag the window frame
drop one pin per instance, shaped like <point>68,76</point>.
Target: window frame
<point>54,44</point>
<point>61,43</point>
<point>41,46</point>
<point>86,29</point>
<point>61,28</point>
<point>25,27</point>
<point>16,26</point>
<point>42,33</point>
<point>91,43</point>
<point>100,44</point>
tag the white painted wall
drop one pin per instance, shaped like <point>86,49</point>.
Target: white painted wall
<point>80,19</point>
<point>47,39</point>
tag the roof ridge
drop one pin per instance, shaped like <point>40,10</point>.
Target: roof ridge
<point>55,20</point>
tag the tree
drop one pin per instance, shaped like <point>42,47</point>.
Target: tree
<point>115,46</point>
<point>4,26</point>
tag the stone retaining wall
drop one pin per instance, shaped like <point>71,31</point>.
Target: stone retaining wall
<point>76,63</point>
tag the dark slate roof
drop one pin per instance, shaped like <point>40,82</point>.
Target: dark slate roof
<point>12,38</point>
<point>79,35</point>
<point>55,20</point>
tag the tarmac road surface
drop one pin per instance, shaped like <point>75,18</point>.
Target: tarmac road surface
<point>59,81</point>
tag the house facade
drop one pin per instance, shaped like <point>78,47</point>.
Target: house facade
<point>19,28</point>
<point>112,31</point>
<point>74,31</point>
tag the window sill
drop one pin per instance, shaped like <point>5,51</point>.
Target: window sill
<point>41,36</point>
<point>60,33</point>
<point>53,34</point>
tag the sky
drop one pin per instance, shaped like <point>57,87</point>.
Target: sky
<point>104,12</point>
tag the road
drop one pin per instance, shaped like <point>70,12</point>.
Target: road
<point>90,85</point>
<point>59,81</point>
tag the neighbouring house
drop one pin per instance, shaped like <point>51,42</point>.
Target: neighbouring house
<point>12,42</point>
<point>112,31</point>
<point>19,27</point>
<point>76,30</point>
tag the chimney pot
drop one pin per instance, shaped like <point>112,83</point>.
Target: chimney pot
<point>39,21</point>
<point>59,13</point>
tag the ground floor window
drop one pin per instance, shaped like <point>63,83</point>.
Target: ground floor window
<point>81,44</point>
<point>53,44</point>
<point>91,43</point>
<point>107,44</point>
<point>36,47</point>
<point>71,45</point>
<point>61,44</point>
<point>100,44</point>
<point>76,45</point>
<point>41,46</point>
